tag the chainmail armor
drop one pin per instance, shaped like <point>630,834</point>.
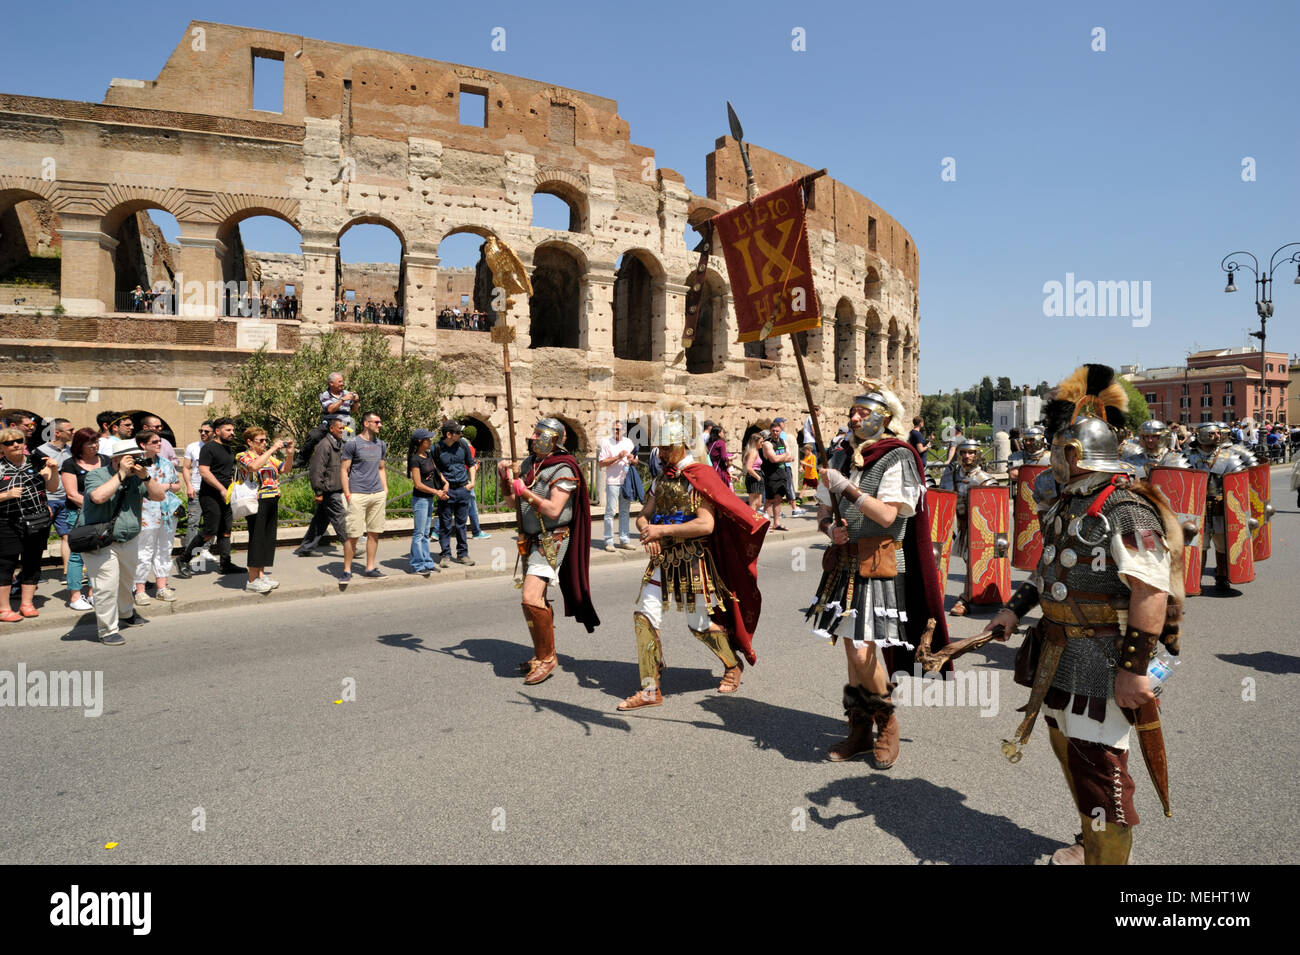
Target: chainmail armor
<point>1087,666</point>
<point>859,525</point>
<point>542,488</point>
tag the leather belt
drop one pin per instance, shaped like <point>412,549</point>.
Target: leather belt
<point>1058,633</point>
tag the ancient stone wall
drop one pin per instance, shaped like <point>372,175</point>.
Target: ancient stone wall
<point>366,136</point>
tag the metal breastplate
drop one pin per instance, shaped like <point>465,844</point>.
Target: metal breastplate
<point>859,525</point>
<point>676,500</point>
<point>542,488</point>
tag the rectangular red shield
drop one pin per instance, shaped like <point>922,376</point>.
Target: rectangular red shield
<point>765,243</point>
<point>1261,480</point>
<point>943,511</point>
<point>1027,545</point>
<point>1236,523</point>
<point>988,513</point>
<point>1186,491</point>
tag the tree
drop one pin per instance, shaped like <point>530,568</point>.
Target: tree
<point>1137,406</point>
<point>934,408</point>
<point>1004,390</point>
<point>280,393</point>
<point>985,399</point>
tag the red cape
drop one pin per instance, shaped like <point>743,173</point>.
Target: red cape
<point>923,589</point>
<point>575,579</point>
<point>736,541</point>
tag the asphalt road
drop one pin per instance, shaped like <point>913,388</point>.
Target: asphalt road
<point>445,756</point>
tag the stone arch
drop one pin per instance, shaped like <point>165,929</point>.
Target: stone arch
<point>142,256</point>
<point>639,292</point>
<point>399,291</point>
<point>30,243</point>
<point>571,189</point>
<point>244,286</point>
<point>140,414</point>
<point>894,362</point>
<point>874,361</point>
<point>709,351</point>
<point>844,322</point>
<point>559,286</point>
<point>872,286</point>
<point>575,436</point>
<point>486,442</point>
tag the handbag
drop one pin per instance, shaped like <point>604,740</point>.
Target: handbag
<point>243,500</point>
<point>88,538</point>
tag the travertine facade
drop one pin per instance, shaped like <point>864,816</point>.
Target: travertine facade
<point>365,136</point>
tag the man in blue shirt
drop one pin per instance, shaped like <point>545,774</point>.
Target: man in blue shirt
<point>457,470</point>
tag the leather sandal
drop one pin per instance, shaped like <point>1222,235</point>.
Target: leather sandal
<point>28,610</point>
<point>959,609</point>
<point>1070,855</point>
<point>731,678</point>
<point>642,698</point>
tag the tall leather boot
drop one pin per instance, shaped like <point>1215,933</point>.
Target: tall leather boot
<point>1221,584</point>
<point>541,625</point>
<point>885,752</point>
<point>856,708</point>
<point>526,667</point>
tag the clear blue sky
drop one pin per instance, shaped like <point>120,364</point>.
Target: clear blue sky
<point>1122,165</point>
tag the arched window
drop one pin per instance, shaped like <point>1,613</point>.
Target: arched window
<point>371,255</point>
<point>555,307</point>
<point>844,319</point>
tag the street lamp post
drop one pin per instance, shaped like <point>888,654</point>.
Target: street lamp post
<point>1263,298</point>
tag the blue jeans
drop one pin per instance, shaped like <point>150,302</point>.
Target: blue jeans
<point>451,519</point>
<point>76,568</point>
<point>422,511</point>
<point>615,502</point>
<point>473,515</point>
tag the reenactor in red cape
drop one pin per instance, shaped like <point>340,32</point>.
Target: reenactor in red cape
<point>879,574</point>
<point>554,540</point>
<point>703,544</point>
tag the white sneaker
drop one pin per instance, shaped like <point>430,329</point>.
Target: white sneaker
<point>143,599</point>
<point>272,582</point>
<point>610,548</point>
<point>81,603</point>
<point>166,594</point>
<point>258,586</point>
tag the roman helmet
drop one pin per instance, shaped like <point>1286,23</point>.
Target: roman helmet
<point>1152,433</point>
<point>1033,441</point>
<point>550,438</point>
<point>1208,435</point>
<point>1085,412</point>
<point>672,430</point>
<point>884,412</point>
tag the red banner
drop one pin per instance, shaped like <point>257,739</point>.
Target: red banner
<point>766,247</point>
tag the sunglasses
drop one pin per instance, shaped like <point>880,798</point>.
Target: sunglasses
<point>9,444</point>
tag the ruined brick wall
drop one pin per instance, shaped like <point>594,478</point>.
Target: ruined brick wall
<point>367,136</point>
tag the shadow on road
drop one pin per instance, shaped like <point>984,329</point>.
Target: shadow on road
<point>932,821</point>
<point>621,678</point>
<point>504,655</point>
<point>584,716</point>
<point>404,641</point>
<point>797,735</point>
<point>1266,661</point>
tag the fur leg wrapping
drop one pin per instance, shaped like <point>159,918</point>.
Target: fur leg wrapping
<point>857,709</point>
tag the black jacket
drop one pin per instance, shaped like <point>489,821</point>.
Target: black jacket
<point>326,465</point>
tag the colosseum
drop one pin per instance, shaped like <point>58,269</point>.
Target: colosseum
<point>364,136</point>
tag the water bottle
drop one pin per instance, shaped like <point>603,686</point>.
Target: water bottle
<point>1160,670</point>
